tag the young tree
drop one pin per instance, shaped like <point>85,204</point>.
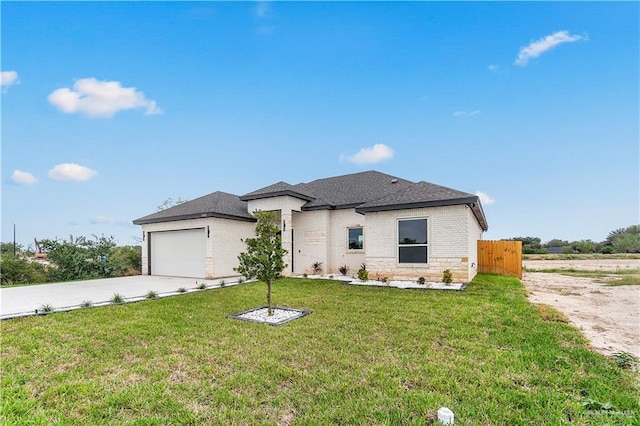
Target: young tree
<point>263,258</point>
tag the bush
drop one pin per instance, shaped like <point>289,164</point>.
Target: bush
<point>125,261</point>
<point>21,271</point>
<point>79,258</point>
<point>421,280</point>
<point>316,267</point>
<point>447,277</point>
<point>344,270</point>
<point>363,274</point>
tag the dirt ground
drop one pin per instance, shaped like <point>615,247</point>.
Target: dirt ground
<point>609,316</point>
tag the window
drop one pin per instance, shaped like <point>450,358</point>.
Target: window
<point>356,239</point>
<point>412,241</point>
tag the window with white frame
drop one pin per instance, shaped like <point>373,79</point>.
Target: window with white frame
<point>412,241</point>
<point>356,238</point>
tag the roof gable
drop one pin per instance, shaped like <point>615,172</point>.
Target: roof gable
<point>276,190</point>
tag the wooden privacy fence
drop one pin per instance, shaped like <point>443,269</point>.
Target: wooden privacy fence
<point>500,257</point>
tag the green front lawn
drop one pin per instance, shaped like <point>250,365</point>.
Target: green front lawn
<point>366,355</point>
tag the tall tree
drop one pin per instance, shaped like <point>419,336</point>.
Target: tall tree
<point>263,258</point>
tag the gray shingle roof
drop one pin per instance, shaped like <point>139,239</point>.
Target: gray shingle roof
<point>417,194</point>
<point>351,190</point>
<point>366,192</point>
<point>217,204</point>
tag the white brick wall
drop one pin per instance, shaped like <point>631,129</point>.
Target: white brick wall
<point>475,234</point>
<point>339,253</point>
<point>448,232</point>
<point>227,238</point>
<point>310,230</point>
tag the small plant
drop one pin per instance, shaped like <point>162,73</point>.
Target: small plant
<point>202,286</point>
<point>45,309</point>
<point>316,267</point>
<point>386,281</point>
<point>363,274</point>
<point>152,295</point>
<point>330,277</point>
<point>626,360</point>
<point>222,283</point>
<point>182,290</point>
<point>305,275</point>
<point>117,298</point>
<point>447,277</point>
<point>240,280</point>
<point>86,304</point>
<point>421,280</point>
<point>344,269</point>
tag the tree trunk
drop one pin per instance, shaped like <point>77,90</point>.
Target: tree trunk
<point>269,298</point>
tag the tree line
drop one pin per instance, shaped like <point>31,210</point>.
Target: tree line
<point>79,258</point>
<point>621,240</point>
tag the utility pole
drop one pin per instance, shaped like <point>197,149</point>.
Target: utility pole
<point>14,240</point>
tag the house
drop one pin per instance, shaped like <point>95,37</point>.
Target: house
<point>398,228</point>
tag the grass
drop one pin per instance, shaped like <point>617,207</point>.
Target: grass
<point>612,278</point>
<point>366,355</point>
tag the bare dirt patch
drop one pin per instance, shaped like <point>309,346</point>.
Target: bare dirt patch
<point>608,316</point>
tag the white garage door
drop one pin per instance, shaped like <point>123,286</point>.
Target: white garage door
<point>179,253</point>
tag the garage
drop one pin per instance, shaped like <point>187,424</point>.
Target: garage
<point>178,253</point>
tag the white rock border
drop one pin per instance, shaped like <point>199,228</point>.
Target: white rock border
<point>279,315</point>
<point>396,284</point>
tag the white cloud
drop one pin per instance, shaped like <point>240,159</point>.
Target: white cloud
<point>538,47</point>
<point>485,198</point>
<point>71,171</point>
<point>100,98</point>
<point>103,220</point>
<point>370,155</point>
<point>263,9</point>
<point>466,113</point>
<point>23,178</point>
<point>8,78</point>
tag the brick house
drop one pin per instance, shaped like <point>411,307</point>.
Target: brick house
<point>398,228</point>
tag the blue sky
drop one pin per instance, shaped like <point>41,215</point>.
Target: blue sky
<point>110,108</point>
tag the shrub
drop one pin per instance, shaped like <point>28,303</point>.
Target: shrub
<point>305,275</point>
<point>625,360</point>
<point>344,269</point>
<point>125,260</point>
<point>202,286</point>
<point>117,298</point>
<point>152,295</point>
<point>223,283</point>
<point>182,290</point>
<point>86,304</point>
<point>316,267</point>
<point>21,271</point>
<point>45,308</point>
<point>240,280</point>
<point>421,280</point>
<point>447,277</point>
<point>363,274</point>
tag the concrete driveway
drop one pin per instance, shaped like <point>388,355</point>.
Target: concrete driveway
<point>23,301</point>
